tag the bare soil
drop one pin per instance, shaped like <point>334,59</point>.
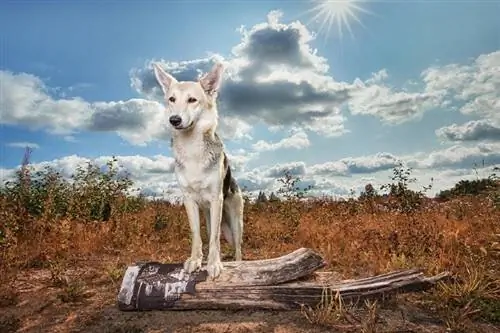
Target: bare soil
<point>36,305</point>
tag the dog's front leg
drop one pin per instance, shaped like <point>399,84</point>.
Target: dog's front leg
<point>214,265</point>
<point>193,213</point>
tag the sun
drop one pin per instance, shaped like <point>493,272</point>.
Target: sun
<point>341,13</point>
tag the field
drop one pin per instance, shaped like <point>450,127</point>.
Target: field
<point>65,245</point>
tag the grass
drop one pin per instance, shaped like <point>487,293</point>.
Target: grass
<point>83,233</point>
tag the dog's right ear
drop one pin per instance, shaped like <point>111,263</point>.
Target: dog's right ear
<point>164,79</point>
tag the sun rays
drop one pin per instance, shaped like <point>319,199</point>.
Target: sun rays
<point>339,13</point>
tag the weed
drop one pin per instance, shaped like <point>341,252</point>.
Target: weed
<point>332,312</point>
<point>73,291</point>
<point>115,272</point>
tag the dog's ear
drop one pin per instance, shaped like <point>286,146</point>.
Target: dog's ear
<point>212,80</point>
<point>164,79</point>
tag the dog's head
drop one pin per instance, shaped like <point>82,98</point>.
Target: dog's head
<point>190,104</point>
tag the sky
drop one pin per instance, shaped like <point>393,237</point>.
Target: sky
<point>338,106</point>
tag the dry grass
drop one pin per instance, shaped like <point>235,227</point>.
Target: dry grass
<point>77,262</point>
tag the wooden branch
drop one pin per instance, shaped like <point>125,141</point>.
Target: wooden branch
<point>260,284</point>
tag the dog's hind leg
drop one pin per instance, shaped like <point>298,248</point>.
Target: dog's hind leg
<point>193,213</point>
<point>233,228</point>
<point>206,214</point>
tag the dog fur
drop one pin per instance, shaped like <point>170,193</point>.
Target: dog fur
<point>202,167</point>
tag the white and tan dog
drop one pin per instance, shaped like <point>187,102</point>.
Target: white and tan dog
<point>202,167</point>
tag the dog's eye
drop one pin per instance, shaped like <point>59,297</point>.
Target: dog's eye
<point>192,100</point>
<point>172,99</point>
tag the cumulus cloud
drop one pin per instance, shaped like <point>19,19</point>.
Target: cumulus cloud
<point>476,85</point>
<point>475,130</point>
<point>233,128</point>
<point>443,168</point>
<point>137,120</point>
<point>273,75</point>
<point>355,165</point>
<point>154,175</point>
<point>474,89</point>
<point>278,170</point>
<point>457,156</point>
<point>389,106</point>
<point>27,101</point>
<point>296,140</point>
<point>239,159</point>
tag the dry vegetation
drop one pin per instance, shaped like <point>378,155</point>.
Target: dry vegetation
<point>65,245</point>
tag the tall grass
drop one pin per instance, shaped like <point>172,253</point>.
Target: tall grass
<point>47,221</point>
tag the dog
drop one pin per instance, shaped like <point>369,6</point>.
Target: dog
<point>202,166</point>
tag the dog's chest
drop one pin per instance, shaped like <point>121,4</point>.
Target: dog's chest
<point>196,172</point>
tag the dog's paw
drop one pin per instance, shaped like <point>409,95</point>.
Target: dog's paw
<point>214,268</point>
<point>192,264</point>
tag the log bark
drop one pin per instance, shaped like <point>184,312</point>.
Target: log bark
<point>261,284</point>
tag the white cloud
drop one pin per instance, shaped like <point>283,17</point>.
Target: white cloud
<point>138,121</point>
<point>154,175</point>
<point>446,167</point>
<point>233,128</point>
<point>457,156</point>
<point>297,140</point>
<point>355,165</point>
<point>23,145</point>
<point>273,75</point>
<point>296,168</point>
<point>26,102</point>
<point>150,174</point>
<point>474,130</point>
<point>239,159</point>
<point>477,84</point>
<point>392,107</point>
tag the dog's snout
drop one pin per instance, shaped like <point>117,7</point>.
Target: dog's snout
<point>175,120</point>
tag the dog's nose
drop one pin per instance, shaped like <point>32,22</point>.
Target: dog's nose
<point>175,120</point>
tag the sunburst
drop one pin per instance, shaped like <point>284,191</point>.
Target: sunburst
<point>337,12</point>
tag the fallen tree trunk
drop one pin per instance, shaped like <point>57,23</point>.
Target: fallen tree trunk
<point>259,284</point>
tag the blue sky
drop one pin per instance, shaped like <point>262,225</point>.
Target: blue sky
<point>417,81</point>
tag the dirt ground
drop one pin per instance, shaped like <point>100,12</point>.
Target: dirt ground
<point>39,306</point>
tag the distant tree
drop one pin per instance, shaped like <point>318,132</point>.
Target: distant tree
<point>273,197</point>
<point>261,198</point>
<point>369,193</point>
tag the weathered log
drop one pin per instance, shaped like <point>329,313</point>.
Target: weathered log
<point>259,284</point>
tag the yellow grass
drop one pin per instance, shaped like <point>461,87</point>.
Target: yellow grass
<point>357,238</point>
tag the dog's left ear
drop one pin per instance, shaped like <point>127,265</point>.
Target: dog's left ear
<point>212,80</point>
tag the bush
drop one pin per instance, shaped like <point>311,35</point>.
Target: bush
<point>90,194</point>
<point>484,186</point>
